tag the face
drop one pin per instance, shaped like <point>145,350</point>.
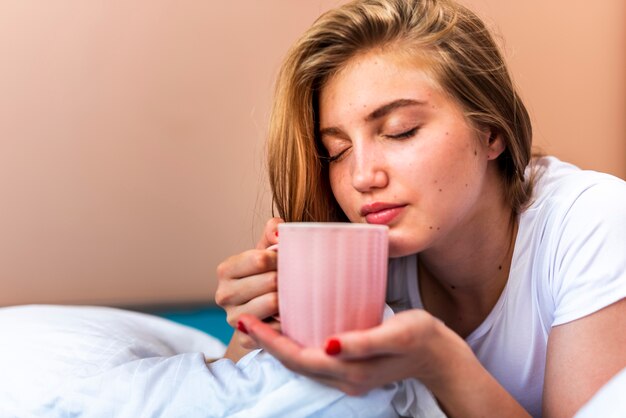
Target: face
<point>403,154</point>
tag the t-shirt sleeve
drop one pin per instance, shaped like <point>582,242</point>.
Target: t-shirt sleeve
<point>590,257</point>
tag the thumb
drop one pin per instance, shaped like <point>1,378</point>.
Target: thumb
<point>270,234</point>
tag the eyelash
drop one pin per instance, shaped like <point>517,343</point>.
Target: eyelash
<point>403,135</point>
<point>332,159</point>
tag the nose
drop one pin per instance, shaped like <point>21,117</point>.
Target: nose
<point>368,170</point>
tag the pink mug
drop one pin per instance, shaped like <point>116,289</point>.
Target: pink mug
<point>332,277</point>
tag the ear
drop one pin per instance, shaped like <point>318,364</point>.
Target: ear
<point>495,144</point>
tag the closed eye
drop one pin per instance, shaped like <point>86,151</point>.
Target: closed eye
<point>403,135</point>
<point>336,157</point>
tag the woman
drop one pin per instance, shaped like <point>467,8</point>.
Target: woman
<point>508,274</point>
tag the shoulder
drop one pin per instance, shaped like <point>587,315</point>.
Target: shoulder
<point>563,184</point>
<point>570,204</point>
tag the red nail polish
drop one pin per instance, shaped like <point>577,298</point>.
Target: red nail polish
<point>241,327</point>
<point>276,233</point>
<point>333,347</point>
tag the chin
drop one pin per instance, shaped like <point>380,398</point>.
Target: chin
<point>401,245</point>
<point>398,254</point>
<point>397,251</point>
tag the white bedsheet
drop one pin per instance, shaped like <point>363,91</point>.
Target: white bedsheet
<point>609,402</point>
<point>59,361</point>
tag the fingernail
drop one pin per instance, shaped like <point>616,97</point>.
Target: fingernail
<point>276,233</point>
<point>241,327</point>
<point>333,347</point>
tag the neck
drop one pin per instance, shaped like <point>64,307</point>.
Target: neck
<point>461,280</point>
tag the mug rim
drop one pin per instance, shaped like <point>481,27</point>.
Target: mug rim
<point>331,225</point>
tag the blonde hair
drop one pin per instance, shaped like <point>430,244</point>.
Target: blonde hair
<point>465,61</point>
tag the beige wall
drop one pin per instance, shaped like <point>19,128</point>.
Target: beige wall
<point>131,133</point>
<point>569,59</point>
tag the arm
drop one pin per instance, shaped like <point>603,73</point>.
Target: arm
<point>586,345</point>
<point>582,356</point>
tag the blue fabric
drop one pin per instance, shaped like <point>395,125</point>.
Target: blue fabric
<point>210,319</point>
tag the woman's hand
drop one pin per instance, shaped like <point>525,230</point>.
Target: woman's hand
<point>412,344</point>
<point>247,285</point>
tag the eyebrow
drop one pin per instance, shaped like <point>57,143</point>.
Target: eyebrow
<point>384,110</point>
<point>378,113</point>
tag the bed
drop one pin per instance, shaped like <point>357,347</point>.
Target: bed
<point>69,361</point>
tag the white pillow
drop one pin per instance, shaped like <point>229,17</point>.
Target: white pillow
<point>44,348</point>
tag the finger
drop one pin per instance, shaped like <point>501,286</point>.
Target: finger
<point>303,360</point>
<point>265,334</point>
<point>275,325</point>
<point>247,342</point>
<point>270,234</point>
<point>393,336</point>
<point>262,307</point>
<point>246,264</point>
<point>233,292</point>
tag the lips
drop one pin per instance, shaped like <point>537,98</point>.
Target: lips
<point>381,213</point>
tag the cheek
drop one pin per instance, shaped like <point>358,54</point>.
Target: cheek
<point>333,178</point>
<point>341,188</point>
<point>459,188</point>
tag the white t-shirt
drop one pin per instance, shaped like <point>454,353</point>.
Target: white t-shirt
<point>569,261</point>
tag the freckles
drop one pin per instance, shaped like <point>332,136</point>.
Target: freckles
<point>435,182</point>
